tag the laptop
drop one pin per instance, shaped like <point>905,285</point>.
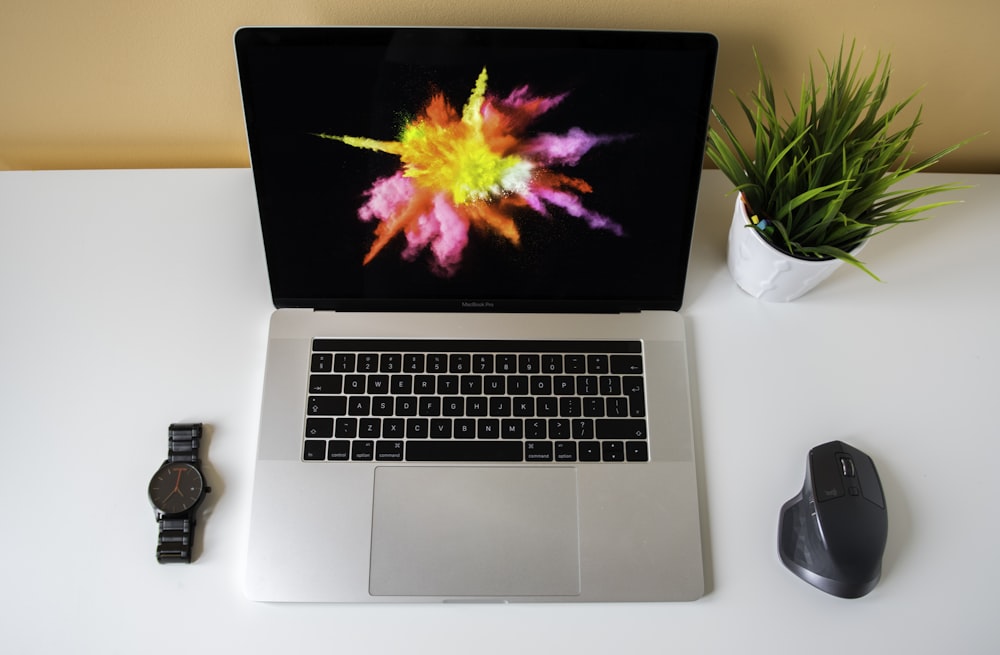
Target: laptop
<point>476,383</point>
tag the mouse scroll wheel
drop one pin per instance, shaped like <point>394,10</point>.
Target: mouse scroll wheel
<point>846,466</point>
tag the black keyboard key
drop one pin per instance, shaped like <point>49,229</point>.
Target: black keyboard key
<point>482,363</point>
<point>582,428</point>
<point>536,428</point>
<point>319,428</point>
<point>517,385</point>
<point>413,363</point>
<point>512,428</point>
<point>593,406</point>
<point>541,385</point>
<point>406,406</point>
<point>570,407</point>
<point>338,451</point>
<point>586,385</point>
<point>460,363</point>
<point>547,406</point>
<point>389,451</point>
<point>424,384</point>
<point>494,385</point>
<point>321,363</point>
<point>370,428</point>
<point>635,389</point>
<point>383,406</point>
<point>346,428</point>
<point>488,428</point>
<point>440,428</point>
<point>500,406</point>
<point>326,406</point>
<point>354,384</point>
<point>367,363</point>
<point>597,364</point>
<point>390,363</point>
<point>636,451</point>
<point>393,428</point>
<point>437,363</point>
<point>447,385</point>
<point>464,451</point>
<point>464,428</point>
<point>626,364</point>
<point>401,385</point>
<point>344,362</point>
<point>564,385</point>
<point>610,385</point>
<point>565,451</point>
<point>552,364</point>
<point>538,451</point>
<point>429,406</point>
<point>477,406</point>
<point>613,451</point>
<point>621,428</point>
<point>575,364</point>
<point>359,406</point>
<point>528,364</point>
<point>524,407</point>
<point>378,384</point>
<point>417,428</point>
<point>589,451</point>
<point>328,384</point>
<point>617,407</point>
<point>315,449</point>
<point>506,364</point>
<point>453,406</point>
<point>471,385</point>
<point>559,428</point>
<point>362,450</point>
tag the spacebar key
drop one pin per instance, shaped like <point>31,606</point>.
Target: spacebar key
<point>464,451</point>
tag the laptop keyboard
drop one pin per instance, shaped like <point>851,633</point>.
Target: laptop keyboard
<point>476,401</point>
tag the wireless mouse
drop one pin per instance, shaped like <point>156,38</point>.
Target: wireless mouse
<point>833,533</point>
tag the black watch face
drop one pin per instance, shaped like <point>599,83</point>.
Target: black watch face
<point>176,488</point>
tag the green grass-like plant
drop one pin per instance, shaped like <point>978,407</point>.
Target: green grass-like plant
<point>823,181</point>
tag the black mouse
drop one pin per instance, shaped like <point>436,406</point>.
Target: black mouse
<point>833,533</point>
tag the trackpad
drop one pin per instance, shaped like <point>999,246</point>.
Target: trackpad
<point>475,531</point>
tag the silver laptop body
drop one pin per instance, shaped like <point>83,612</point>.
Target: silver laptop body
<point>368,148</point>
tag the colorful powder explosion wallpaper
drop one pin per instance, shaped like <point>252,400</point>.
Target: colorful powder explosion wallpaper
<point>476,171</point>
<point>414,170</point>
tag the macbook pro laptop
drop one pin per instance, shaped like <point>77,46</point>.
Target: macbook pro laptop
<point>476,382</point>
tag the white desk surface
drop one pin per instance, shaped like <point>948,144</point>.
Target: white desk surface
<point>133,299</point>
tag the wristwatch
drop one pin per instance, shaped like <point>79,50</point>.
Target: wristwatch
<point>176,491</point>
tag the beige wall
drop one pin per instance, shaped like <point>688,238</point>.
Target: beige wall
<point>133,83</point>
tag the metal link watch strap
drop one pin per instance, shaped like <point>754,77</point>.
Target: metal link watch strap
<point>184,442</point>
<point>176,537</point>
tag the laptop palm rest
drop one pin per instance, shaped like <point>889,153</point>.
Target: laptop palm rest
<point>475,532</point>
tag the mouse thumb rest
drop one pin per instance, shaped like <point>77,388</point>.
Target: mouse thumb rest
<point>833,533</point>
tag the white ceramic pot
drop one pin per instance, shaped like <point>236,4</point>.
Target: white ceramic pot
<point>765,272</point>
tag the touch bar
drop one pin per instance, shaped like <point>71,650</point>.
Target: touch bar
<point>475,345</point>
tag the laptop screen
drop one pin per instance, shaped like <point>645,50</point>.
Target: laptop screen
<point>476,169</point>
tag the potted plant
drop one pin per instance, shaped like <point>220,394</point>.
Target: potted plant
<point>818,184</point>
